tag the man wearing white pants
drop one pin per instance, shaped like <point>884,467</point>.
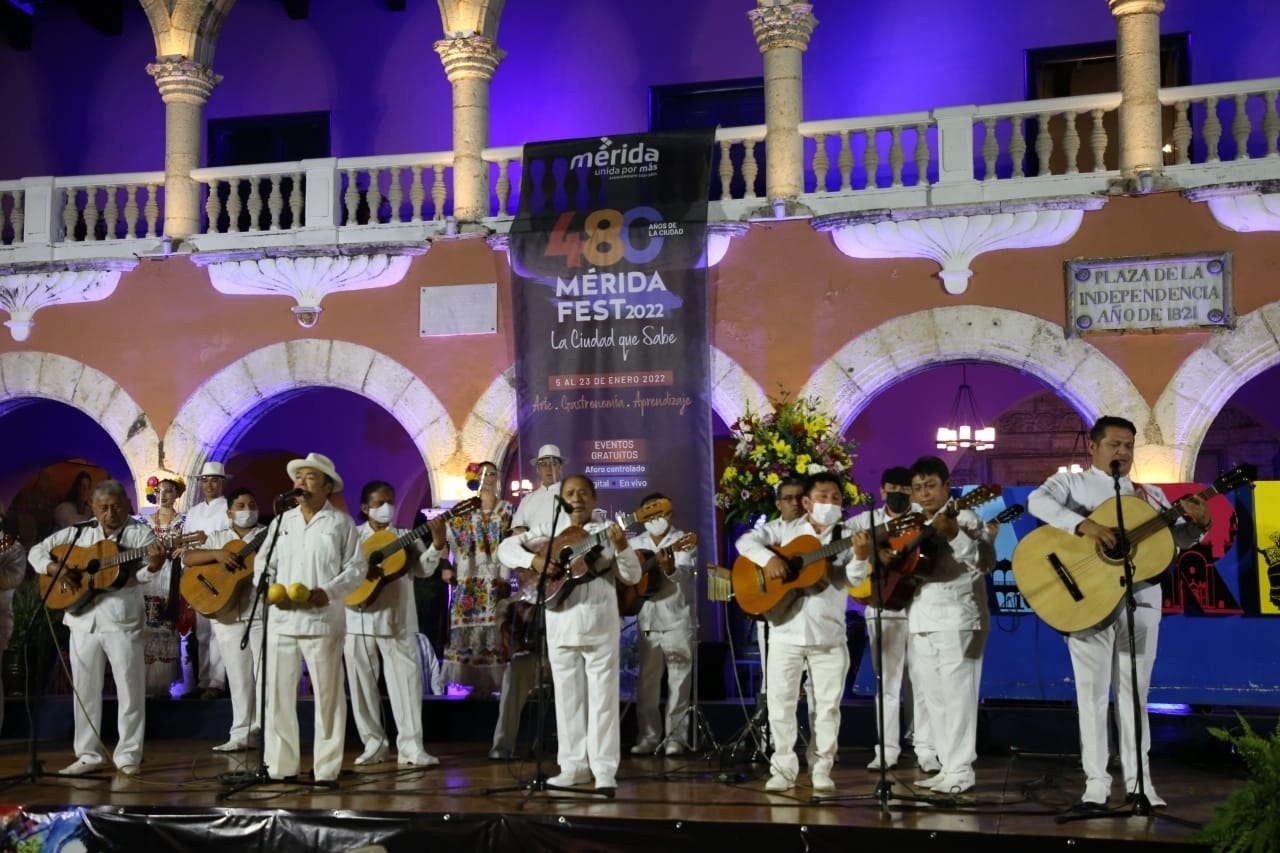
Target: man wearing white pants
<point>808,628</point>
<point>241,665</point>
<point>387,627</point>
<point>583,627</point>
<point>317,560</point>
<point>665,637</point>
<point>209,517</point>
<point>106,626</point>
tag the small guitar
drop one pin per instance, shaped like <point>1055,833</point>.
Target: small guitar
<point>387,558</point>
<point>569,556</point>
<point>632,598</point>
<point>93,569</point>
<point>1072,582</point>
<point>213,587</point>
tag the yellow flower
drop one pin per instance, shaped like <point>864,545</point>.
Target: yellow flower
<point>802,462</point>
<point>773,479</point>
<point>729,473</point>
<point>781,448</point>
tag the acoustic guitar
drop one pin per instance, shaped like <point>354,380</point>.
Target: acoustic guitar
<point>569,553</point>
<point>213,587</point>
<point>632,597</point>
<point>386,555</point>
<point>865,593</point>
<point>806,560</point>
<point>89,570</point>
<point>1073,582</point>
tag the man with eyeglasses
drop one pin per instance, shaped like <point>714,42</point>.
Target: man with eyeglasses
<point>665,637</point>
<point>790,494</point>
<point>537,507</point>
<point>947,619</point>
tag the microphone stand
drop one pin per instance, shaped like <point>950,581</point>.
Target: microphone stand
<point>1141,804</point>
<point>537,633</point>
<point>35,767</point>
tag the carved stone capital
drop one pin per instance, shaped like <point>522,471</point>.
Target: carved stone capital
<point>26,288</point>
<point>182,79</point>
<point>1243,207</point>
<point>307,275</point>
<point>955,240</point>
<point>469,57</point>
<point>719,236</point>
<point>1120,8</point>
<point>782,26</point>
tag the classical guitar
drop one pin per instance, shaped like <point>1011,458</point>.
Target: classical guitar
<point>864,593</point>
<point>1073,582</point>
<point>213,587</point>
<point>632,597</point>
<point>92,569</point>
<point>570,551</point>
<point>387,558</point>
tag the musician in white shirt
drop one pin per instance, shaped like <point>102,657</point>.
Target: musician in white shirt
<point>387,627</point>
<point>583,627</point>
<point>665,637</point>
<point>318,557</point>
<point>535,508</point>
<point>1100,654</point>
<point>948,621</point>
<point>106,626</point>
<point>242,665</point>
<point>209,516</point>
<point>891,657</point>
<point>807,629</point>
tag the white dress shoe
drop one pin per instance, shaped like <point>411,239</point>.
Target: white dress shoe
<point>952,783</point>
<point>1096,792</point>
<point>373,756</point>
<point>874,763</point>
<point>81,766</point>
<point>674,747</point>
<point>644,747</point>
<point>778,783</point>
<point>129,769</point>
<point>606,783</point>
<point>928,763</point>
<point>231,746</point>
<point>422,759</point>
<point>823,784</point>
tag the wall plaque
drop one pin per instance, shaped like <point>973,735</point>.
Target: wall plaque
<point>1153,292</point>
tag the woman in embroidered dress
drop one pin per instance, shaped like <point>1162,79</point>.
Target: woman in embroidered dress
<point>474,656</point>
<point>161,642</point>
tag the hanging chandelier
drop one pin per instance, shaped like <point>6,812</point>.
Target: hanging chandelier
<point>965,428</point>
<point>1079,450</point>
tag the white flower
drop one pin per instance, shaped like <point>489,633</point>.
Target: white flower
<point>814,468</point>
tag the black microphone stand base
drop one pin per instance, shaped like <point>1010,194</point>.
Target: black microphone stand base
<point>540,785</point>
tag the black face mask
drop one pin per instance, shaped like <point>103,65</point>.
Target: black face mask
<point>897,502</point>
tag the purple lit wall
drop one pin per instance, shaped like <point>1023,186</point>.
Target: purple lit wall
<point>82,103</point>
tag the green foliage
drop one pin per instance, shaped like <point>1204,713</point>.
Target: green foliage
<point>1249,820</point>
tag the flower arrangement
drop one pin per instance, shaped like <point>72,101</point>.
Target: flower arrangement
<point>794,440</point>
<point>153,484</point>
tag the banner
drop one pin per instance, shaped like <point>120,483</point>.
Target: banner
<point>611,317</point>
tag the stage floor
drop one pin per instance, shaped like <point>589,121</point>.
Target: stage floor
<point>179,801</point>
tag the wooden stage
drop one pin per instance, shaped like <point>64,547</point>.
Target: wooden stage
<point>182,800</point>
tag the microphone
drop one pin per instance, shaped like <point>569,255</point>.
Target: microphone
<point>292,493</point>
<point>83,525</point>
<point>1115,468</point>
<point>565,506</point>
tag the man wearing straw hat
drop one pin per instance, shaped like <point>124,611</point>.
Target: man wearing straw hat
<point>536,507</point>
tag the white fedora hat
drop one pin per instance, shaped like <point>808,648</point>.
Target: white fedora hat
<point>214,469</point>
<point>321,463</point>
<point>548,450</point>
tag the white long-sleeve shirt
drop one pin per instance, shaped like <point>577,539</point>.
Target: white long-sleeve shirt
<point>588,614</point>
<point>814,616</point>
<point>217,540</point>
<point>948,599</point>
<point>536,507</point>
<point>670,607</point>
<point>323,554</point>
<point>119,609</point>
<point>1067,498</point>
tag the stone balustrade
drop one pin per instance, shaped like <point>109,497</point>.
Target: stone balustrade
<point>1218,133</point>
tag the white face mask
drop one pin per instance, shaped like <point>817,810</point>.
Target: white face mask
<point>656,526</point>
<point>826,514</point>
<point>245,518</point>
<point>382,514</point>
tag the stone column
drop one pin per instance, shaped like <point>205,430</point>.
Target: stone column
<point>470,62</point>
<point>185,86</point>
<point>1138,68</point>
<point>782,33</point>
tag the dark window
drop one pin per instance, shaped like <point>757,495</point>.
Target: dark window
<point>721,103</point>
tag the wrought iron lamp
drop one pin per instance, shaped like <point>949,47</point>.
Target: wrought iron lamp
<point>965,428</point>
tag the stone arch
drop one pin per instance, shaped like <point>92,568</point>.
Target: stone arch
<point>212,417</point>
<point>66,380</point>
<point>734,392</point>
<point>876,359</point>
<point>1208,378</point>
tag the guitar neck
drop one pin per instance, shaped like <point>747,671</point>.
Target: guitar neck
<point>597,539</point>
<point>1168,516</point>
<point>254,544</point>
